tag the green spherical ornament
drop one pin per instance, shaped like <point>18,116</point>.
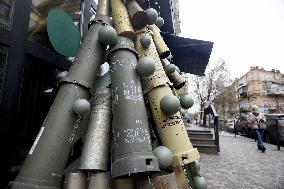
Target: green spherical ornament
<point>177,69</point>
<point>146,66</point>
<point>81,106</point>
<point>145,41</point>
<point>170,105</point>
<point>152,15</point>
<point>160,22</point>
<point>107,35</point>
<point>199,183</point>
<point>164,155</point>
<point>186,102</point>
<point>170,68</point>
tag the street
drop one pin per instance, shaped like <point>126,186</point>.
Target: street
<point>240,165</point>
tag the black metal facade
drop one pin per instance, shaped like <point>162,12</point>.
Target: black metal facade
<point>28,79</point>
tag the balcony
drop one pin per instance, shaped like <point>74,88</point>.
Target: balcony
<point>243,91</point>
<point>273,88</point>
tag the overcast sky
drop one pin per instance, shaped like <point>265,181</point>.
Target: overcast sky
<point>245,32</point>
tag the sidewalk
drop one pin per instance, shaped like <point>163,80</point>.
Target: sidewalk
<point>240,165</point>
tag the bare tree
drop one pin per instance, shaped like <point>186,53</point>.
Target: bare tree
<point>207,87</point>
<point>226,102</point>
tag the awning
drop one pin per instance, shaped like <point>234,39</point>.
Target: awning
<point>190,55</point>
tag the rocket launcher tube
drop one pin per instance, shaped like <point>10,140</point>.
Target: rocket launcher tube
<point>175,77</point>
<point>75,180</point>
<point>121,19</point>
<point>96,148</point>
<point>171,129</point>
<point>162,48</point>
<point>139,17</point>
<point>132,150</point>
<point>103,7</point>
<point>159,77</point>
<point>100,180</point>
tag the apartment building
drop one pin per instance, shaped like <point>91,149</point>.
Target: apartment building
<point>264,88</point>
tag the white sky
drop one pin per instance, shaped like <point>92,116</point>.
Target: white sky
<point>245,32</point>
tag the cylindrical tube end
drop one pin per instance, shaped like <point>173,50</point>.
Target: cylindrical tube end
<point>103,7</point>
<point>75,181</point>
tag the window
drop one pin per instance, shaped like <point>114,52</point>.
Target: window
<point>39,12</point>
<point>6,13</point>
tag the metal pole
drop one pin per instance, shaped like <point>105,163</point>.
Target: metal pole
<point>235,128</point>
<point>45,163</point>
<point>216,123</point>
<point>132,150</point>
<point>278,134</point>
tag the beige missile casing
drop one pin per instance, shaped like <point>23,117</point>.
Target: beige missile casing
<point>138,16</point>
<point>103,7</point>
<point>124,183</point>
<point>121,19</point>
<point>159,77</point>
<point>171,129</point>
<point>176,78</point>
<point>162,48</point>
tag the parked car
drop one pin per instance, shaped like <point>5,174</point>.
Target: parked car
<point>230,124</point>
<point>271,128</point>
<point>221,124</point>
<point>241,124</point>
<point>244,126</point>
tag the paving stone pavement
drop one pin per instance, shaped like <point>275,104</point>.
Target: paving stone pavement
<point>240,165</point>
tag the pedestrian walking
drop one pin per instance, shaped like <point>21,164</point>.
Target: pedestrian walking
<point>259,125</point>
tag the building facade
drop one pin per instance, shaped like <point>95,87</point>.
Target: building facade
<point>264,88</point>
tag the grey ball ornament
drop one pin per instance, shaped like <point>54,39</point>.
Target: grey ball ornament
<point>146,66</point>
<point>81,106</point>
<point>186,102</point>
<point>199,183</point>
<point>107,35</point>
<point>170,105</point>
<point>170,68</point>
<point>145,41</point>
<point>164,155</point>
<point>152,16</point>
<point>160,22</point>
